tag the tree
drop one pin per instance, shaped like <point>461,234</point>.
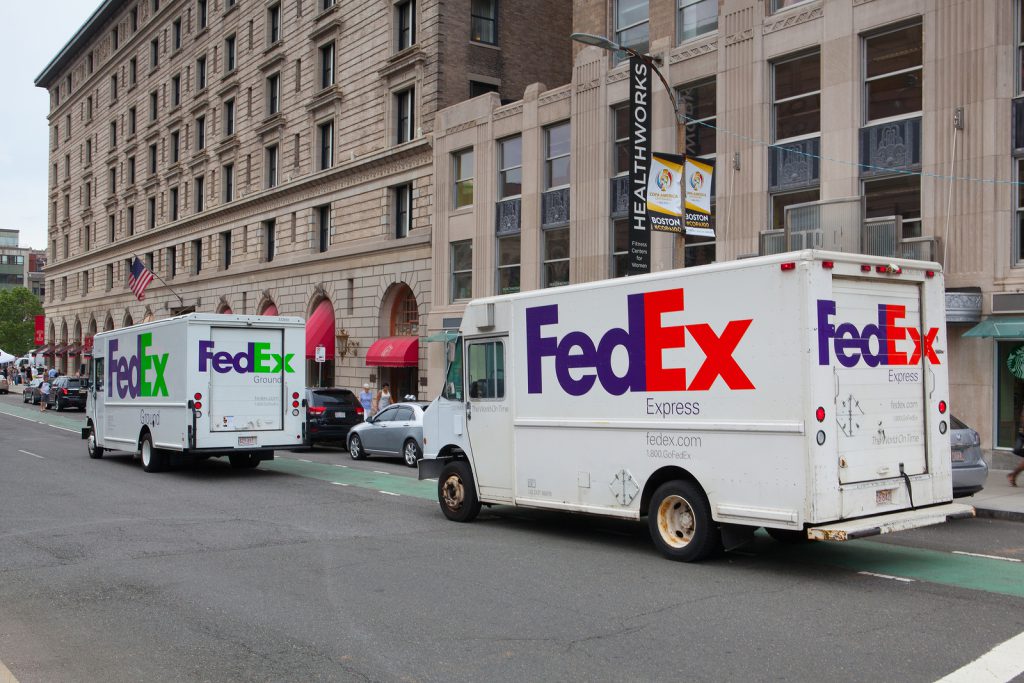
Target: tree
<point>18,310</point>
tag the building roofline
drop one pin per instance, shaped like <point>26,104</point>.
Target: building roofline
<point>88,30</point>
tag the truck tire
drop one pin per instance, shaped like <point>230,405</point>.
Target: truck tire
<point>244,461</point>
<point>456,492</point>
<point>153,460</point>
<point>355,448</point>
<point>95,451</point>
<point>411,452</point>
<point>679,519</point>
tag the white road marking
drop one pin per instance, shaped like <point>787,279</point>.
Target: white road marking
<point>338,483</point>
<point>379,472</point>
<point>1000,664</point>
<point>887,576</point>
<point>32,454</point>
<point>337,465</point>
<point>38,422</point>
<point>303,460</point>
<point>5,675</point>
<point>990,557</point>
<point>388,493</point>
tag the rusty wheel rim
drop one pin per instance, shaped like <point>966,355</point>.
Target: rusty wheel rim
<point>454,492</point>
<point>676,521</point>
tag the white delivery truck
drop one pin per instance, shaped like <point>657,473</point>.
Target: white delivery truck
<point>198,385</point>
<point>805,393</point>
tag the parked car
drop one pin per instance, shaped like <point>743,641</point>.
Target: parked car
<point>969,468</point>
<point>395,431</point>
<point>31,393</point>
<point>330,413</point>
<point>68,392</point>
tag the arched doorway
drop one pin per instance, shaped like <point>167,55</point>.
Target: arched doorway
<point>62,349</point>
<point>75,351</point>
<point>320,332</point>
<point>396,352</point>
<point>127,320</point>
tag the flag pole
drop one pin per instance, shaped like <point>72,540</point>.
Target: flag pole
<point>162,281</point>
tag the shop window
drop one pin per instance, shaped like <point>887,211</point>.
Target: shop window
<point>620,248</point>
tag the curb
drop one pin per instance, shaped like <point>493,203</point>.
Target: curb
<point>1007,515</point>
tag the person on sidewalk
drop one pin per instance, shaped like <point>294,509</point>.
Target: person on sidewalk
<point>44,395</point>
<point>1018,449</point>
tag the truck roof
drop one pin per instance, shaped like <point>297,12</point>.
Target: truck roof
<point>216,318</point>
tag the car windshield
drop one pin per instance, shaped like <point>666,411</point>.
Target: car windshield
<point>73,384</point>
<point>332,398</point>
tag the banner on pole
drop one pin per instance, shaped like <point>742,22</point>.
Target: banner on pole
<point>699,175</point>
<point>665,193</point>
<point>40,336</point>
<point>640,155</point>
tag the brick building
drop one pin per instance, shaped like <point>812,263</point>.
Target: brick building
<point>823,117</point>
<point>269,157</point>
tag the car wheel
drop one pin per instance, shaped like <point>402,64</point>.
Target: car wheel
<point>59,405</point>
<point>411,452</point>
<point>679,520</point>
<point>355,448</point>
<point>95,450</point>
<point>456,492</point>
<point>153,460</point>
<point>244,461</point>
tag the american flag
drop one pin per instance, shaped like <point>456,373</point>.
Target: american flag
<point>139,279</point>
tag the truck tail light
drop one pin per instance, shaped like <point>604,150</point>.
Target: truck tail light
<point>295,404</point>
<point>199,406</point>
<point>929,273</point>
<point>828,265</point>
<point>890,269</point>
<point>942,407</point>
<point>295,395</point>
<point>198,397</point>
<point>316,410</point>
<point>865,268</point>
<point>788,266</point>
<point>819,414</point>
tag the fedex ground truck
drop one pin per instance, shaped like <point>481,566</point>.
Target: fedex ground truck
<point>198,385</point>
<point>805,393</point>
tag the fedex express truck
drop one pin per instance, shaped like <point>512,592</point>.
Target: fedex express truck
<point>805,393</point>
<point>198,385</point>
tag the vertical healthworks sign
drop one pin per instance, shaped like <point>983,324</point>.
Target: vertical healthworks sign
<point>640,154</point>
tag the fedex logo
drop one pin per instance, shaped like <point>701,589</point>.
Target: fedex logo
<point>853,345</point>
<point>255,359</point>
<point>129,375</point>
<point>644,339</point>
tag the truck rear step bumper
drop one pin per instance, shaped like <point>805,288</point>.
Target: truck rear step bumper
<point>884,524</point>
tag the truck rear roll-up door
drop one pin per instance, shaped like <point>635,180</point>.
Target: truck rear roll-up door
<point>880,399</point>
<point>247,393</point>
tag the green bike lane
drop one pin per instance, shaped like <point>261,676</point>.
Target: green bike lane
<point>1001,576</point>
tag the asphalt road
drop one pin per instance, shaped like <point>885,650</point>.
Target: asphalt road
<point>315,567</point>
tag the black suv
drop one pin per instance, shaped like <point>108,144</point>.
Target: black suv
<point>68,392</point>
<point>330,413</point>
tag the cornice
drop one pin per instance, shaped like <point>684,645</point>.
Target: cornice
<point>792,18</point>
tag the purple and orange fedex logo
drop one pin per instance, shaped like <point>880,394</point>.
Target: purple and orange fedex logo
<point>644,338</point>
<point>853,345</point>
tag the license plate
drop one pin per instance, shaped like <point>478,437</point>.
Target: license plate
<point>339,415</point>
<point>959,456</point>
<point>247,441</point>
<point>82,392</point>
<point>883,496</point>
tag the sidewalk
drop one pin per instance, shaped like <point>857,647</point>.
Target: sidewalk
<point>999,500</point>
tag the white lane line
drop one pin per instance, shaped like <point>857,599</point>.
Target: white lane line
<point>989,557</point>
<point>388,493</point>
<point>1000,664</point>
<point>379,472</point>
<point>337,465</point>
<point>338,483</point>
<point>38,422</point>
<point>887,576</point>
<point>5,675</point>
<point>303,460</point>
<point>32,454</point>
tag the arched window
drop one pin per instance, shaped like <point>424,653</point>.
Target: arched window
<point>405,315</point>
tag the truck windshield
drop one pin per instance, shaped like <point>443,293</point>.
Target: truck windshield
<point>453,379</point>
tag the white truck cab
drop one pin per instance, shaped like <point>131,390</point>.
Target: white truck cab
<point>805,393</point>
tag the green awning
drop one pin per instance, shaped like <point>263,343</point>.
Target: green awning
<point>444,336</point>
<point>998,328</point>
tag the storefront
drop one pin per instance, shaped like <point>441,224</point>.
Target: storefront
<point>1008,334</point>
<point>319,332</point>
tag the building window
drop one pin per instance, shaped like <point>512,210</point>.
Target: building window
<point>893,73</point>
<point>200,132</point>
<point>623,161</point>
<point>556,258</point>
<point>273,94</point>
<point>781,201</point>
<point>176,34</point>
<point>484,21</point>
<point>154,53</point>
<point>113,134</point>
<point>88,195</point>
<point>404,115</point>
<point>88,111</point>
<point>174,203</point>
<point>406,24</point>
<point>896,196</point>
<point>175,146</point>
<point>85,282</point>
<point>273,24</point>
<point>132,121</point>
<point>228,172</point>
<point>110,276</point>
<point>86,238</point>
<point>201,14</point>
<point>325,135</point>
<point>201,72</point>
<point>557,148</point>
<point>197,256</point>
<point>698,103</point>
<point>462,166</point>
<point>113,88</point>
<point>508,264</point>
<point>152,106</point>
<point>778,5</point>
<point>326,65</point>
<point>229,117</point>
<point>696,17</point>
<point>152,159</point>
<point>66,245</point>
<point>403,210</point>
<point>323,221</point>
<point>199,189</point>
<point>112,180</point>
<point>225,249</point>
<point>796,105</point>
<point>172,261</point>
<point>131,170</point>
<point>133,71</point>
<point>129,219</point>
<point>151,213</point>
<point>270,174</point>
<point>477,88</point>
<point>229,53</point>
<point>510,167</point>
<point>462,270</point>
<point>269,228</point>
<point>114,39</point>
<point>631,24</point>
<point>620,247</point>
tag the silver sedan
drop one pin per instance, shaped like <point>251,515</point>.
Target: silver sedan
<point>395,431</point>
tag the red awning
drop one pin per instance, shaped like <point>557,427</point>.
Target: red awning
<point>270,310</point>
<point>45,350</point>
<point>61,350</point>
<point>320,330</point>
<point>74,348</point>
<point>394,352</point>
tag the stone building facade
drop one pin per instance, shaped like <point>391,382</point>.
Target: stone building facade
<point>852,112</point>
<point>269,157</point>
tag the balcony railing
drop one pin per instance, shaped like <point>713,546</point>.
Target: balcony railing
<point>508,216</point>
<point>554,207</point>
<point>891,146</point>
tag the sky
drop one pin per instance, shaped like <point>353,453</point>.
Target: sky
<point>35,31</point>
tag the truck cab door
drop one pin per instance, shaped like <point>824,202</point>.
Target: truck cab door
<point>95,408</point>
<point>489,416</point>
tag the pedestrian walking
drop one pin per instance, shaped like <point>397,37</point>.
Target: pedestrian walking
<point>383,398</point>
<point>1018,449</point>
<point>44,394</point>
<point>366,399</point>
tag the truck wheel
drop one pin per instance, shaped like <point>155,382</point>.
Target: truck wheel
<point>355,448</point>
<point>456,492</point>
<point>244,461</point>
<point>679,519</point>
<point>95,451</point>
<point>411,452</point>
<point>789,536</point>
<point>152,459</point>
